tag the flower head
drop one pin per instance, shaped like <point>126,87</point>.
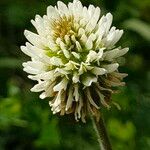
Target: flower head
<point>74,58</point>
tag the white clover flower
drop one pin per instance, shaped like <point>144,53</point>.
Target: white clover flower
<point>74,58</point>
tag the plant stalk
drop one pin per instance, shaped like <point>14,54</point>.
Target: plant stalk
<point>101,132</point>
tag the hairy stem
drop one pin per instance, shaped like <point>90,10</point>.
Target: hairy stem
<point>101,132</point>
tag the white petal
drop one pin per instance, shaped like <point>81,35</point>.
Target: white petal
<point>56,105</point>
<point>111,68</point>
<point>89,43</point>
<point>33,38</point>
<point>43,76</point>
<point>122,52</point>
<point>34,64</point>
<point>26,51</point>
<point>71,8</point>
<point>56,61</point>
<point>62,45</point>
<point>109,21</point>
<point>52,12</point>
<point>70,98</point>
<point>89,27</point>
<point>75,8</point>
<point>81,32</point>
<point>83,22</point>
<point>34,50</point>
<point>91,56</point>
<point>85,13</point>
<point>79,48</point>
<point>71,65</point>
<point>75,78</point>
<point>109,55</point>
<point>79,5</point>
<point>39,25</point>
<point>118,35</point>
<point>66,53</point>
<point>67,39</point>
<point>40,86</point>
<point>113,37</point>
<point>88,80</point>
<point>76,55</point>
<point>62,8</point>
<point>36,53</point>
<point>78,109</point>
<point>31,70</point>
<point>76,92</point>
<point>94,18</point>
<point>98,71</point>
<point>100,33</point>
<point>61,71</point>
<point>102,21</point>
<point>100,53</point>
<point>83,39</point>
<point>91,10</point>
<point>48,91</point>
<point>62,85</point>
<point>84,67</point>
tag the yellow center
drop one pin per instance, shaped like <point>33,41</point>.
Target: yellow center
<point>63,26</point>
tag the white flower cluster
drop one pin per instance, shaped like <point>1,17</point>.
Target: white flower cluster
<point>74,58</point>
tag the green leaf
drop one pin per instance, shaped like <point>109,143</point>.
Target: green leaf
<point>10,63</point>
<point>49,136</point>
<point>141,27</point>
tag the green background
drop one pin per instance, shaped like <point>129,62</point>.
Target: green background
<point>26,122</point>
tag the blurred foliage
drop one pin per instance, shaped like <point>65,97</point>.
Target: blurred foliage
<point>27,123</point>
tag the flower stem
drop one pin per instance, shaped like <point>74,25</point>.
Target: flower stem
<point>101,132</point>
